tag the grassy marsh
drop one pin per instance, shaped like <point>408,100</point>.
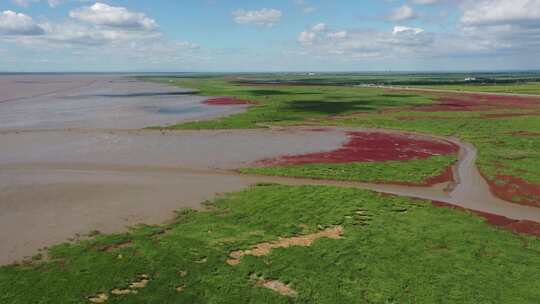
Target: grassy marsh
<point>393,250</point>
<point>501,150</point>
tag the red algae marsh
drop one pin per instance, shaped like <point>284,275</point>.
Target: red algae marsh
<point>477,102</point>
<point>373,147</point>
<point>244,193</point>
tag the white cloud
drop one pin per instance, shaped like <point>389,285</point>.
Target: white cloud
<point>501,12</point>
<point>407,30</point>
<point>413,43</point>
<point>83,43</point>
<point>306,37</point>
<point>320,27</point>
<point>114,16</point>
<point>317,31</point>
<point>402,13</point>
<point>263,17</point>
<point>505,26</point>
<point>358,44</point>
<point>128,35</point>
<point>337,35</point>
<point>74,34</point>
<point>116,37</point>
<point>15,24</point>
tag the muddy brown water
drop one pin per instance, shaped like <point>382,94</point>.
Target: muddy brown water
<point>62,176</point>
<point>55,184</point>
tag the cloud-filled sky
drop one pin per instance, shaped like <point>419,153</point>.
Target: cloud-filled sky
<point>264,35</point>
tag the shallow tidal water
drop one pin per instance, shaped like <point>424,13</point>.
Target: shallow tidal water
<point>97,102</point>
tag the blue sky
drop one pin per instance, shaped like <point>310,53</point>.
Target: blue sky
<point>263,35</point>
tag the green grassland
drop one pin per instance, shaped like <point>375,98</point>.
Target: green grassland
<point>501,152</point>
<point>413,172</point>
<point>517,82</point>
<point>528,88</point>
<point>388,78</point>
<point>393,250</point>
<point>290,104</point>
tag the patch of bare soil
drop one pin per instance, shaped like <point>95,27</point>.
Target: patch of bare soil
<point>121,292</point>
<point>140,283</point>
<point>202,260</point>
<point>182,273</point>
<point>276,286</point>
<point>302,241</point>
<point>180,288</point>
<point>99,298</point>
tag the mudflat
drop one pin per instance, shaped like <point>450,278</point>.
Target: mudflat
<point>74,158</point>
<point>80,101</point>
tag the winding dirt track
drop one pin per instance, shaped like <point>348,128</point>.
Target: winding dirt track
<point>57,183</point>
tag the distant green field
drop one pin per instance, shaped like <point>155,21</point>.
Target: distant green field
<point>517,83</point>
<point>392,250</point>
<point>390,78</point>
<point>532,88</point>
<point>291,104</point>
